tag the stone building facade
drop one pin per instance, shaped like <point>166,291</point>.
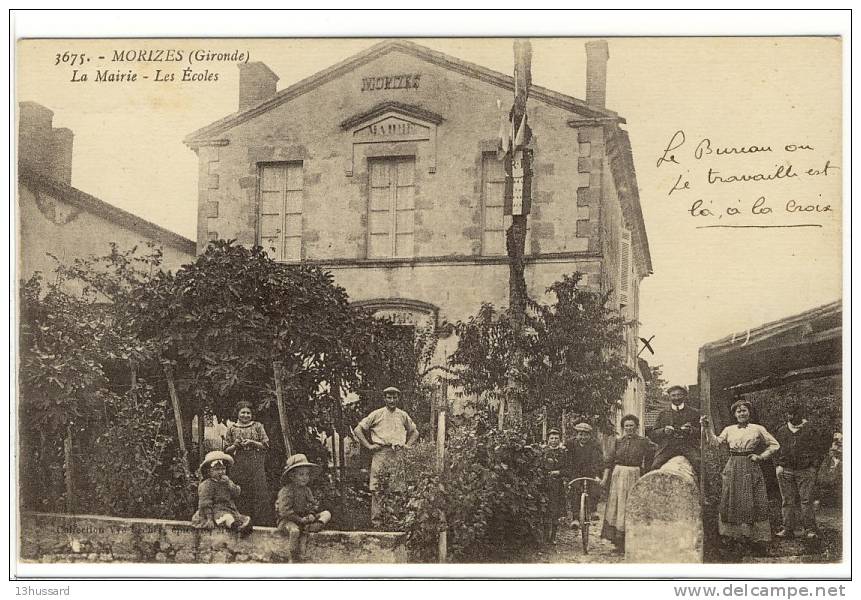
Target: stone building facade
<point>384,169</point>
<point>57,219</point>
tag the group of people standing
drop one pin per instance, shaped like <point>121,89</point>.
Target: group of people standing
<point>234,493</point>
<point>628,457</point>
<point>796,449</point>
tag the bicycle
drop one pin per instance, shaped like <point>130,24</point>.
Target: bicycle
<point>585,512</point>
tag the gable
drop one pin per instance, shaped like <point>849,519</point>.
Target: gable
<point>405,80</point>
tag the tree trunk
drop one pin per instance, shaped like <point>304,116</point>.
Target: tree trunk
<point>201,433</point>
<point>177,417</point>
<point>278,369</point>
<point>68,466</point>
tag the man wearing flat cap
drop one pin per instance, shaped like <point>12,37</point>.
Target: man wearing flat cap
<point>677,431</point>
<point>585,459</point>
<point>384,432</point>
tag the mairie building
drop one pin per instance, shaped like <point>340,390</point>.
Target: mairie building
<point>383,168</point>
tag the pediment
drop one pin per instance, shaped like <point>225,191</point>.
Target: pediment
<point>392,122</point>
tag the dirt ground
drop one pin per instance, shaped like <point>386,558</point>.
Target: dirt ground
<point>826,549</point>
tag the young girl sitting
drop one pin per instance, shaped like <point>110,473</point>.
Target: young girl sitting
<point>298,513</point>
<point>215,505</point>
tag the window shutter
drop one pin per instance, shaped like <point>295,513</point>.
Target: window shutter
<point>281,189</point>
<point>625,268</point>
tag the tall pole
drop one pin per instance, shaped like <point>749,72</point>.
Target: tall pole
<point>278,370</point>
<point>518,188</point>
<point>442,405</point>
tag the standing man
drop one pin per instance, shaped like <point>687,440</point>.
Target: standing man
<point>585,459</point>
<point>677,431</point>
<point>554,465</point>
<point>801,450</point>
<point>388,428</point>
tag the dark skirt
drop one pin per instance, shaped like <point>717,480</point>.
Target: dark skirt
<point>743,500</point>
<point>249,473</point>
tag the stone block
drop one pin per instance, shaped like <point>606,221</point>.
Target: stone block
<point>212,182</point>
<point>248,182</point>
<point>584,164</point>
<point>585,149</point>
<point>211,209</point>
<point>584,135</point>
<point>663,520</point>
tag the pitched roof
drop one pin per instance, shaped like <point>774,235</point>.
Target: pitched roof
<point>422,52</point>
<point>820,323</point>
<point>109,212</point>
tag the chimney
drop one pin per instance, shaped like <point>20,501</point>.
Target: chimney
<point>40,146</point>
<point>60,163</point>
<point>35,136</point>
<point>597,55</point>
<point>256,84</point>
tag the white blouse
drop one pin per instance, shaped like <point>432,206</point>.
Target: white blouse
<point>747,438</point>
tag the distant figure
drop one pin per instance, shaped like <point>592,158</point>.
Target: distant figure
<point>554,465</point>
<point>247,442</point>
<point>629,457</point>
<point>743,499</point>
<point>298,512</point>
<point>389,429</point>
<point>585,459</point>
<point>829,479</point>
<point>216,494</point>
<point>677,431</point>
<point>801,451</point>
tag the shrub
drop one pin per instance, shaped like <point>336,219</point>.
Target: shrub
<point>489,499</point>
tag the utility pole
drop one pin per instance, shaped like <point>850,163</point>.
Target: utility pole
<point>518,200</point>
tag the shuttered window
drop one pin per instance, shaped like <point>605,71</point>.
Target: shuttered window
<point>492,201</point>
<point>494,221</point>
<point>391,207</point>
<point>281,188</point>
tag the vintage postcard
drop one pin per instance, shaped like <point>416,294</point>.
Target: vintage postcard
<point>567,302</point>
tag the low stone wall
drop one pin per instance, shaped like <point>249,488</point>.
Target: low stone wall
<point>55,538</point>
<point>663,518</point>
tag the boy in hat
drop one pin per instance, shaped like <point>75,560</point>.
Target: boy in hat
<point>585,459</point>
<point>297,510</point>
<point>554,465</point>
<point>216,493</point>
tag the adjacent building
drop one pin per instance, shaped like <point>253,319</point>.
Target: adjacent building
<point>383,168</point>
<point>57,219</point>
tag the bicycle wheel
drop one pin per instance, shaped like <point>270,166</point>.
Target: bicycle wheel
<point>584,521</point>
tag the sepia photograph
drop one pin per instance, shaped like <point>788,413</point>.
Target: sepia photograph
<point>570,301</point>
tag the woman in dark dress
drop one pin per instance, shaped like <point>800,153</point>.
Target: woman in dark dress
<point>247,441</point>
<point>629,456</point>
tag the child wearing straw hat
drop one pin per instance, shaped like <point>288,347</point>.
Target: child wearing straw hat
<point>298,513</point>
<point>216,493</point>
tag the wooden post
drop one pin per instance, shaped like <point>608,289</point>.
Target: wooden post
<point>705,408</point>
<point>177,416</point>
<point>278,368</point>
<point>442,546</point>
<point>68,465</point>
<point>201,430</point>
<point>564,428</point>
<point>519,187</point>
<point>544,425</point>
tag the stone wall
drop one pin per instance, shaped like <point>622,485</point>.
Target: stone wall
<point>54,538</point>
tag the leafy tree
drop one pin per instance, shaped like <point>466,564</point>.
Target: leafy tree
<point>655,388</point>
<point>95,341</point>
<point>490,495</point>
<point>572,351</point>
